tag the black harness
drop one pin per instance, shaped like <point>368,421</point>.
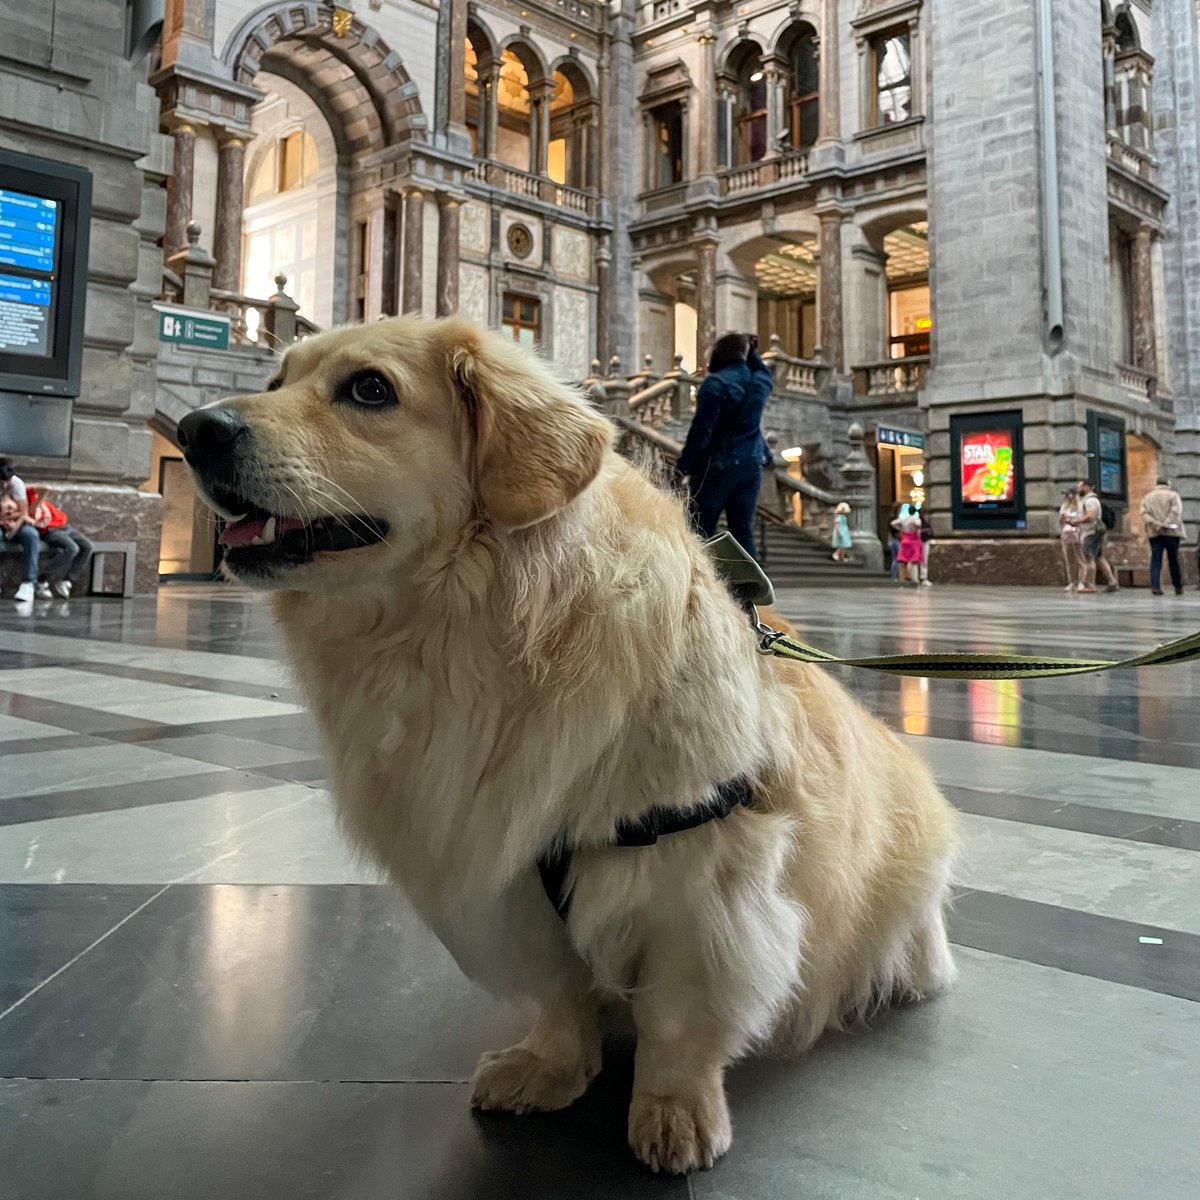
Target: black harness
<point>554,865</point>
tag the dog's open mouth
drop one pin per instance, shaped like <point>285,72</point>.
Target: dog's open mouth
<point>258,538</point>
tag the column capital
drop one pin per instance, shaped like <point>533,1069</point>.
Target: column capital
<point>446,200</point>
<point>184,125</point>
<point>227,140</point>
<point>412,191</point>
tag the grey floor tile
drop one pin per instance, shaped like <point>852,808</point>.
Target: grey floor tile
<point>223,982</point>
<point>37,938</point>
<point>103,1140</point>
<point>1021,1083</point>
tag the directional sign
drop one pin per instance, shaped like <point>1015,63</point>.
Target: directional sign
<point>210,331</point>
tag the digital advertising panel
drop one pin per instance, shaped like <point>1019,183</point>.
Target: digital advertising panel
<point>987,471</point>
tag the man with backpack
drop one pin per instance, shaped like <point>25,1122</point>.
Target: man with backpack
<point>1096,520</point>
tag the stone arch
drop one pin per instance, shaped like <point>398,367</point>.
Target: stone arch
<point>529,56</point>
<point>362,81</point>
<point>580,79</point>
<point>482,38</point>
<point>1125,24</point>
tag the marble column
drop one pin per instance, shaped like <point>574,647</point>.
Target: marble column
<point>489,119</point>
<point>1145,342</point>
<point>179,189</point>
<point>414,250</point>
<point>1110,82</point>
<point>447,266</point>
<point>829,73</point>
<point>706,297</point>
<point>458,67</point>
<point>539,126</point>
<point>829,291</point>
<point>227,237</point>
<point>706,125</point>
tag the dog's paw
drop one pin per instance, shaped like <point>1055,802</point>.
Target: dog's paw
<point>518,1081</point>
<point>678,1134</point>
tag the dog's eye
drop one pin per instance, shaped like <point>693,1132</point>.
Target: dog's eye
<point>369,388</point>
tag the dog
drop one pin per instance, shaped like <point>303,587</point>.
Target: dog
<point>512,642</point>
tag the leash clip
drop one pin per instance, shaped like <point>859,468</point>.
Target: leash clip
<point>767,637</point>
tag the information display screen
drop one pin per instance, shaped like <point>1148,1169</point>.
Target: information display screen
<point>988,466</point>
<point>29,238</point>
<point>45,216</point>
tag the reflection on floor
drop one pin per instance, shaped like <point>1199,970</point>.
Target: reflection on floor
<point>203,995</point>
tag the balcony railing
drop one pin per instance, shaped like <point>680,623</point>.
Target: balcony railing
<point>1140,383</point>
<point>791,165</point>
<point>892,376</point>
<point>537,187</point>
<point>1136,162</point>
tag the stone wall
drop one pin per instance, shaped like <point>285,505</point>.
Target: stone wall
<point>92,108</point>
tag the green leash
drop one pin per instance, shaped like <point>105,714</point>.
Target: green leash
<point>752,589</point>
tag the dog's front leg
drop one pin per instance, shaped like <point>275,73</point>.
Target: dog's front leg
<point>551,1068</point>
<point>679,1117</point>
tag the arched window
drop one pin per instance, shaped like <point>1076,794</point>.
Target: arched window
<point>750,105</point>
<point>1127,34</point>
<point>803,111</point>
<point>570,143</point>
<point>514,140</point>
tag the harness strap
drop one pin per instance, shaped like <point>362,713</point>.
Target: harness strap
<point>554,864</point>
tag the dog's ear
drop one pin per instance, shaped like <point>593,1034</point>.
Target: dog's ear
<point>537,443</point>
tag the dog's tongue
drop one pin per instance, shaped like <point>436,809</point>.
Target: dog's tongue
<point>243,532</point>
<point>248,529</point>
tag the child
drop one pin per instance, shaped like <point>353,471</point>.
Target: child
<point>908,526</point>
<point>842,540</point>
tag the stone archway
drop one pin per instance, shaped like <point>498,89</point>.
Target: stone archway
<point>358,76</point>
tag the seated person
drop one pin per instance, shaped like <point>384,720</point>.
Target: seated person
<point>20,536</point>
<point>72,551</point>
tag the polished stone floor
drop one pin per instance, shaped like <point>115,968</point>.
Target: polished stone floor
<point>203,995</point>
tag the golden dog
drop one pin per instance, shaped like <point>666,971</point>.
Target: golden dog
<point>510,639</point>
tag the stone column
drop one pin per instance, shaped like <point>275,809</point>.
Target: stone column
<point>603,296</point>
<point>489,117</point>
<point>706,131</point>
<point>539,127</point>
<point>774,75</point>
<point>706,298</point>
<point>447,268</point>
<point>829,290</point>
<point>414,249</point>
<point>829,73</point>
<point>227,237</point>
<point>1110,82</point>
<point>179,188</point>
<point>1145,345</point>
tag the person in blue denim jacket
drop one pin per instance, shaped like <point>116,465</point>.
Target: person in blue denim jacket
<point>725,452</point>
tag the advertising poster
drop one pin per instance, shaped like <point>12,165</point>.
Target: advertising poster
<point>988,467</point>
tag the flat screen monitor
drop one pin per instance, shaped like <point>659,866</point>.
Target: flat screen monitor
<point>45,211</point>
<point>987,470</point>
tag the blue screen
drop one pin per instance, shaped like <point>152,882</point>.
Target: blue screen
<point>29,229</point>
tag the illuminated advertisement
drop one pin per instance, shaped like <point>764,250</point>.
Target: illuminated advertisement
<point>987,470</point>
<point>988,466</point>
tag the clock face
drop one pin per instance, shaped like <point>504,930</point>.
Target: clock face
<point>520,240</point>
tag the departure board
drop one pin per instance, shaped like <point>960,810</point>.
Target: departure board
<point>29,236</point>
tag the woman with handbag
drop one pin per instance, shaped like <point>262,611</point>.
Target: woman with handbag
<point>1070,514</point>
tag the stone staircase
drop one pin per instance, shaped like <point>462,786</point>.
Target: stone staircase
<point>796,559</point>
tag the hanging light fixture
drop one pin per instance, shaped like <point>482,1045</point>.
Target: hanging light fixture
<point>343,15</point>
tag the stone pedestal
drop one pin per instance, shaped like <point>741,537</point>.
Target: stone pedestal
<point>859,479</point>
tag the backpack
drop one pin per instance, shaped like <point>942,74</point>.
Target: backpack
<point>1108,516</point>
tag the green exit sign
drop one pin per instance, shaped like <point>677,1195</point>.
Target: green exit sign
<point>209,331</point>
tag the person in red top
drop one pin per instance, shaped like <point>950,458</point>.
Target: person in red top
<point>70,550</point>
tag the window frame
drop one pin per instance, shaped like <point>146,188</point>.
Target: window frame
<point>659,115</point>
<point>798,101</point>
<point>518,322</point>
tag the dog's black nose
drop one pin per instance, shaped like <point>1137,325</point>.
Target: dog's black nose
<point>209,435</point>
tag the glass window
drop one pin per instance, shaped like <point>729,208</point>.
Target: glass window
<point>752,113</point>
<point>297,160</point>
<point>668,146</point>
<point>891,63</point>
<point>803,85</point>
<point>522,319</point>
